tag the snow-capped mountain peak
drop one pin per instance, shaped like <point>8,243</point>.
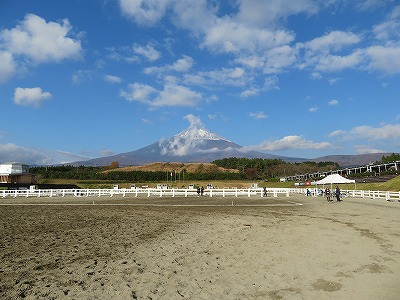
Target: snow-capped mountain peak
<point>194,139</point>
<point>198,134</point>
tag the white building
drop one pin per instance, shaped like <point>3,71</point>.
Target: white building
<point>15,173</point>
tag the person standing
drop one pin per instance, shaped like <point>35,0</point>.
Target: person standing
<point>337,193</point>
<point>328,194</point>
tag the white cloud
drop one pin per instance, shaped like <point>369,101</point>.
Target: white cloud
<point>224,76</point>
<point>138,92</point>
<point>377,133</point>
<point>81,76</point>
<point>263,12</point>
<point>8,66</point>
<point>195,16</point>
<point>385,132</point>
<point>144,12</point>
<point>313,109</point>
<point>336,133</point>
<point>371,4</point>
<point>363,149</point>
<point>319,55</point>
<point>390,28</point>
<point>182,65</point>
<point>176,95</point>
<point>384,59</point>
<point>279,58</point>
<point>227,36</point>
<point>258,115</point>
<point>332,81</point>
<point>148,52</point>
<point>11,152</point>
<point>172,94</point>
<point>290,142</point>
<point>146,121</point>
<point>40,41</point>
<point>106,152</point>
<point>112,79</point>
<point>30,96</point>
<point>195,122</point>
<point>332,41</point>
<point>270,83</point>
<point>333,102</point>
<point>250,92</point>
<point>333,63</point>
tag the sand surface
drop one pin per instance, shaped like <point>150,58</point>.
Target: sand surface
<point>177,248</point>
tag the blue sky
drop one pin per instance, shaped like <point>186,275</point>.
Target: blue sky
<point>82,79</point>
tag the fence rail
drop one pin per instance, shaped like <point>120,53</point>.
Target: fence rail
<point>225,192</point>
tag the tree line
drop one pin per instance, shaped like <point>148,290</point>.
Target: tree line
<point>98,173</point>
<point>249,168</point>
<point>254,169</point>
<point>259,168</point>
<point>391,158</point>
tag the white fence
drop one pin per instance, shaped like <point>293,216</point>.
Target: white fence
<point>148,192</point>
<point>387,195</point>
<point>225,192</point>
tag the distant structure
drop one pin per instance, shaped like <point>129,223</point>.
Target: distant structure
<point>370,168</point>
<point>15,173</point>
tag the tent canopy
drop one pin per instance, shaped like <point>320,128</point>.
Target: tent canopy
<point>334,178</point>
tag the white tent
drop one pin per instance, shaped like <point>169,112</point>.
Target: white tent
<point>334,179</point>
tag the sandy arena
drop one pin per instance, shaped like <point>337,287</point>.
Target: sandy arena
<point>176,248</point>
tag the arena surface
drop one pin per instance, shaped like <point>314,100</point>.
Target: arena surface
<point>199,248</point>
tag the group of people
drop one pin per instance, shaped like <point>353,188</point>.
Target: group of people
<point>336,193</point>
<point>200,191</point>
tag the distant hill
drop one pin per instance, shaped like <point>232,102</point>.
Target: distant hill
<point>191,146</point>
<point>346,161</point>
<point>197,145</point>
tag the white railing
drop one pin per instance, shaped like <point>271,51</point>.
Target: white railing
<point>387,195</point>
<point>148,192</point>
<point>225,192</point>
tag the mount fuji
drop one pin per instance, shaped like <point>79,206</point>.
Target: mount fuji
<point>195,144</point>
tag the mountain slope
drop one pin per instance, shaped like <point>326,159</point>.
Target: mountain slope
<point>197,145</point>
<point>352,160</point>
<point>192,145</point>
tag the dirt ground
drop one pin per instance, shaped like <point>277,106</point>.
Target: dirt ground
<point>199,248</point>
